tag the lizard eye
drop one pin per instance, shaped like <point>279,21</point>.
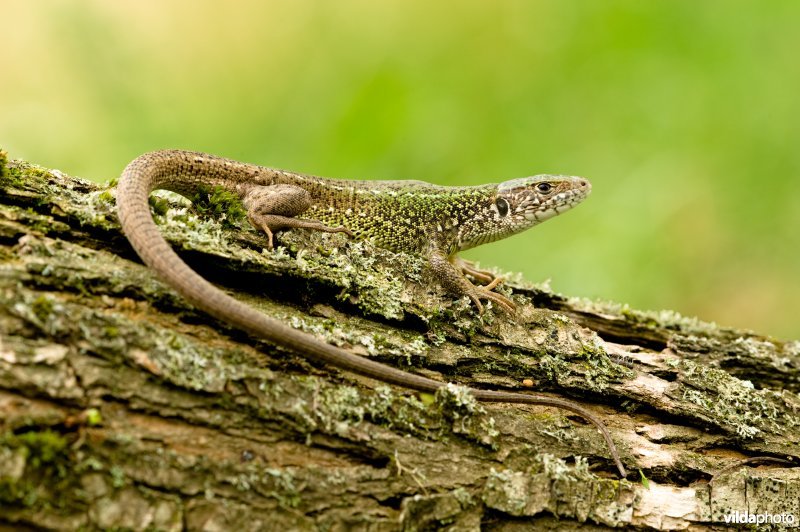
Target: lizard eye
<point>502,207</point>
<point>544,188</point>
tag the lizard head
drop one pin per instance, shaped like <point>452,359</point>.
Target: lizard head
<point>522,203</point>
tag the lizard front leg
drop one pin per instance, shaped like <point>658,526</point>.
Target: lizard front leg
<point>274,208</point>
<point>450,276</point>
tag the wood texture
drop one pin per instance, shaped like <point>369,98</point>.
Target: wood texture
<point>120,406</point>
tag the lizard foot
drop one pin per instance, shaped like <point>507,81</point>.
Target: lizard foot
<point>450,272</point>
<point>467,267</point>
<point>272,222</point>
<point>484,292</point>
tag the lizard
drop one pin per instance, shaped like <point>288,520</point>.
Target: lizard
<point>433,221</point>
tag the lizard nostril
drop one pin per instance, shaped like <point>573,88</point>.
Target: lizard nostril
<point>582,183</point>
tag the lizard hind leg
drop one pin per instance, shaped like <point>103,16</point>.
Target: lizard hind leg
<point>275,207</point>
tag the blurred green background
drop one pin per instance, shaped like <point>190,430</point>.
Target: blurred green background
<point>684,115</point>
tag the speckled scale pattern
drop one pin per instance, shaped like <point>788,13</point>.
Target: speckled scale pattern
<point>517,205</point>
<point>397,215</point>
<point>410,216</point>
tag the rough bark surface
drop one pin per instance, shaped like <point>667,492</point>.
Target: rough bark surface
<point>122,407</point>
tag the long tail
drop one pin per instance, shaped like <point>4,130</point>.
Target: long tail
<point>180,171</point>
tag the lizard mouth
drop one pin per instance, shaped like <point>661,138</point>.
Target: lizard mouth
<point>563,201</point>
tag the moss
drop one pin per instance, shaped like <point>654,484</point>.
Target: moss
<point>32,220</point>
<point>53,202</point>
<point>3,163</point>
<point>106,196</point>
<point>42,307</point>
<point>10,174</point>
<point>93,417</point>
<point>29,176</point>
<point>45,459</point>
<point>220,204</point>
<point>160,206</point>
<point>44,447</point>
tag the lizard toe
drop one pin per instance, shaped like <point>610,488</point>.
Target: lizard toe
<point>480,292</point>
<point>468,268</point>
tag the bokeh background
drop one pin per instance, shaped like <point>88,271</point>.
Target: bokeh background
<point>685,115</point>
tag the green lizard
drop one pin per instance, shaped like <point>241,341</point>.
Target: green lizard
<point>412,216</point>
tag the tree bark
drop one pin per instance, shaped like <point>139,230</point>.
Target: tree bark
<point>122,406</point>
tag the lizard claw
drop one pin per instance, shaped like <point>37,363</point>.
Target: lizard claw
<point>468,268</point>
<point>255,222</point>
<point>484,292</point>
<point>450,272</point>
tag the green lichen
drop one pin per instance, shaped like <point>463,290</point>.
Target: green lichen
<point>400,344</point>
<point>283,486</point>
<point>466,415</point>
<point>457,401</point>
<point>438,511</point>
<point>549,484</point>
<point>118,478</point>
<point>341,410</point>
<point>287,484</point>
<point>359,268</point>
<point>733,403</point>
<point>654,320</point>
<point>190,364</point>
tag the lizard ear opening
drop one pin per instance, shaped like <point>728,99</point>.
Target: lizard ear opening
<point>502,207</point>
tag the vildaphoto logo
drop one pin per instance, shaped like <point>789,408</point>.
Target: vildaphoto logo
<point>746,518</point>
